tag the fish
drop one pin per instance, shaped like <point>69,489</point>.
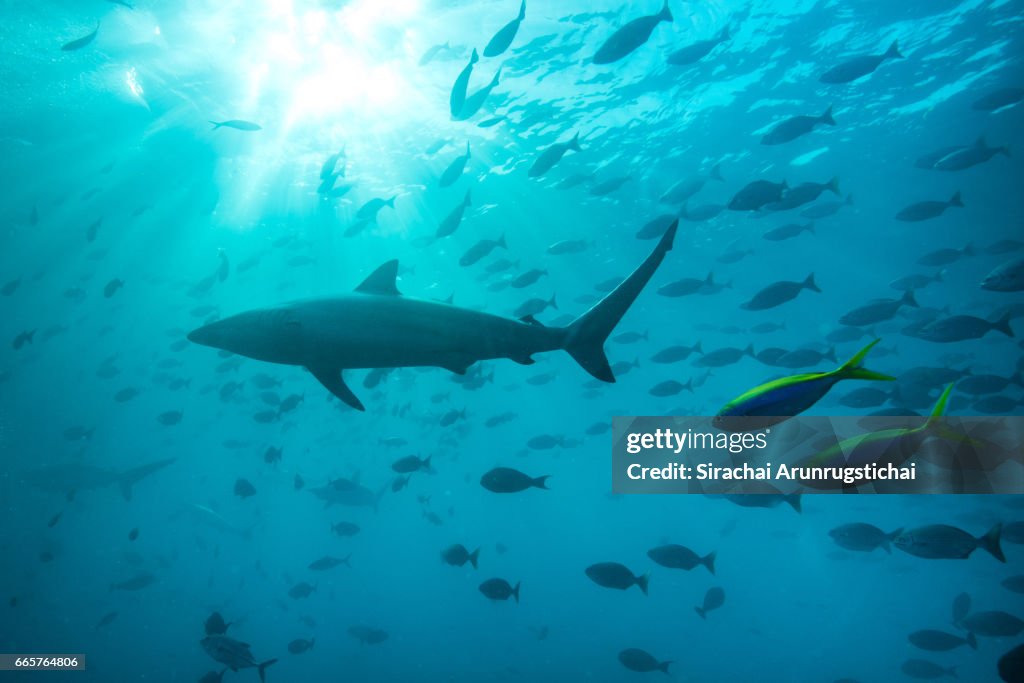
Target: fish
<point>215,625</point>
<point>859,67</point>
<point>457,555</point>
<point>79,43</point>
<point>411,463</point>
<point>552,155</point>
<point>1007,277</point>
<point>826,209</point>
<point>923,669</point>
<point>797,126</point>
<point>300,645</point>
<point>370,209</point>
<point>608,186</point>
<point>371,328</point>
<point>878,310</point>
<point>455,169</point>
<point>458,93</point>
<point>998,99</point>
<point>508,480</point>
<point>564,247</point>
<point>958,328</point>
<point>804,193</point>
<point>327,562</point>
<point>630,36</point>
<point>504,37</point>
<point>757,194</point>
<point>993,624</point>
<point>345,529</point>
<point>237,124</point>
<point>348,493</point>
<point>473,102</point>
<point>500,589</point>
<point>135,583</point>
<point>722,357</point>
<point>641,661</point>
<point>77,476</point>
<point>674,354</point>
<point>713,599</point>
<point>864,538</point>
<point>301,590</point>
<point>1011,665</point>
<point>694,52</point>
<point>927,210</point>
<point>676,556</point>
<point>480,250</point>
<point>670,387</point>
<point>940,641</point>
<point>961,158</point>
<point>451,222</point>
<point>528,278</point>
<point>233,654</point>
<point>945,542</point>
<point>368,635</point>
<point>169,418</point>
<point>432,52</point>
<point>244,489</point>
<point>615,575</point>
<point>788,231</point>
<point>776,401</point>
<point>686,188</point>
<point>779,293</point>
<point>106,620</point>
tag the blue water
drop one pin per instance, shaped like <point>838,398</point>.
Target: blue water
<point>111,172</point>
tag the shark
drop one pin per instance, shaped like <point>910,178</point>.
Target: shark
<point>375,326</point>
<point>68,478</point>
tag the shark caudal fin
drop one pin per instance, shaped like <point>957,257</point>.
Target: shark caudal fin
<point>585,336</point>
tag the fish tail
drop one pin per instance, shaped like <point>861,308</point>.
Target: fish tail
<point>391,200</point>
<point>540,482</point>
<point>990,542</point>
<point>894,51</point>
<point>473,557</point>
<point>515,591</point>
<point>972,642</point>
<point>665,14</point>
<point>909,300</point>
<point>833,185</point>
<point>955,200</point>
<point>468,201</point>
<point>1003,325</point>
<point>553,304</point>
<point>716,173</point>
<point>810,284</point>
<point>263,668</point>
<point>644,581</point>
<point>724,35</point>
<point>663,666</point>
<point>522,10</point>
<point>827,117</point>
<point>709,562</point>
<point>697,348</point>
<point>475,57</point>
<point>216,125</point>
<point>793,500</point>
<point>852,368</point>
<point>701,612</point>
<point>584,337</point>
<point>574,144</point>
<point>889,538</point>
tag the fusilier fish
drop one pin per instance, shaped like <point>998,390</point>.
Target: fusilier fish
<point>858,67</point>
<point>795,127</point>
<point>630,36</point>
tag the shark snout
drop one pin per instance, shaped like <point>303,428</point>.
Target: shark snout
<point>207,335</point>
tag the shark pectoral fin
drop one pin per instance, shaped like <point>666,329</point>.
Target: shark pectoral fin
<point>382,280</point>
<point>524,360</point>
<point>331,378</point>
<point>459,364</point>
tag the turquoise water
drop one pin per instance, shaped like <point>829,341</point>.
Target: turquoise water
<point>128,221</point>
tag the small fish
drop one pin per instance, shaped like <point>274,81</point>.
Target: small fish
<point>455,169</point>
<point>170,418</point>
<point>508,480</point>
<point>641,661</point>
<point>630,36</point>
<point>795,127</point>
<point>858,67</point>
<point>237,124</point>
<point>713,599</point>
<point>680,557</point>
<point>301,590</point>
<point>299,645</point>
<point>922,211</point>
<point>106,620</point>
<point>945,542</point>
<point>457,555</point>
<point>79,43</point>
<point>345,529</point>
<point>112,287</point>
<point>327,562</point>
<point>133,534</point>
<point>779,293</point>
<point>998,99</point>
<point>457,98</point>
<point>615,575</point>
<point>864,538</point>
<point>499,589</point>
<point>244,489</point>
<point>552,155</point>
<point>451,222</point>
<point>504,37</point>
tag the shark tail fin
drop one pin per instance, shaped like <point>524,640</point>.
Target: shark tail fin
<point>263,669</point>
<point>585,336</point>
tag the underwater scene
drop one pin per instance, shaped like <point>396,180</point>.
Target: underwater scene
<point>317,314</point>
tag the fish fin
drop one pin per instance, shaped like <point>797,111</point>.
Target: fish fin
<point>216,125</point>
<point>263,667</point>
<point>333,381</point>
<point>990,542</point>
<point>852,369</point>
<point>709,562</point>
<point>458,365</point>
<point>716,173</point>
<point>701,612</point>
<point>972,642</point>
<point>1003,325</point>
<point>833,184</point>
<point>574,144</point>
<point>663,666</point>
<point>827,117</point>
<point>665,14</point>
<point>894,51</point>
<point>793,500</point>
<point>473,557</point>
<point>540,482</point>
<point>889,538</point>
<point>955,200</point>
<point>382,280</point>
<point>643,581</point>
<point>522,10</point>
<point>515,591</point>
<point>585,336</point>
<point>126,488</point>
<point>525,360</point>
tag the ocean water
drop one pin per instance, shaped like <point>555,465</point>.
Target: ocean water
<point>129,221</point>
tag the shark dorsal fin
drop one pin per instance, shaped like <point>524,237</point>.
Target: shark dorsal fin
<point>382,280</point>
